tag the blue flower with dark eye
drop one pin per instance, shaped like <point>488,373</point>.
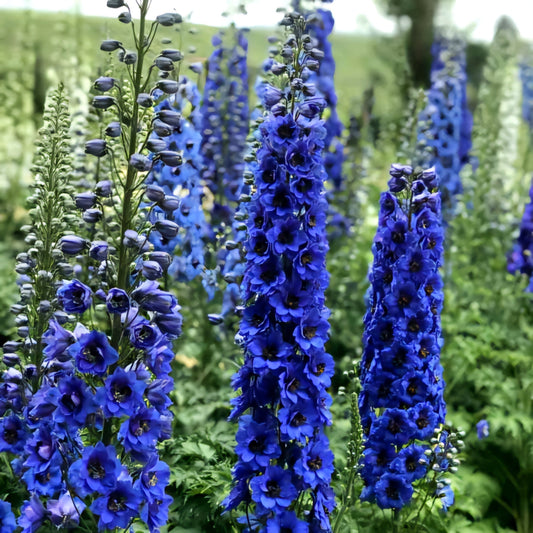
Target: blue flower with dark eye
<point>273,490</point>
<point>141,431</point>
<point>154,478</point>
<point>151,298</point>
<point>97,470</point>
<point>122,393</point>
<point>32,515</point>
<point>13,434</point>
<point>93,353</point>
<point>393,491</point>
<point>286,521</point>
<point>269,350</point>
<point>257,441</point>
<point>74,296</point>
<point>117,301</point>
<point>117,507</point>
<point>410,462</point>
<point>316,462</point>
<point>75,402</point>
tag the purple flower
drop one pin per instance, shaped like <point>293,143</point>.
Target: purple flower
<point>93,353</point>
<point>76,402</point>
<point>141,431</point>
<point>273,490</point>
<point>482,428</point>
<point>32,515</point>
<point>75,297</point>
<point>117,507</point>
<point>8,523</point>
<point>117,301</point>
<point>122,393</point>
<point>65,512</point>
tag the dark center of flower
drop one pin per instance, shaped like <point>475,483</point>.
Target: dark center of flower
<point>95,470</point>
<point>306,258</point>
<point>387,278</point>
<point>412,388</point>
<point>116,503</point>
<point>292,301</point>
<point>268,276</point>
<point>413,325</point>
<point>10,435</point>
<point>312,221</point>
<point>410,464</point>
<point>319,369</point>
<point>119,301</point>
<point>381,459</point>
<point>77,296</point>
<point>394,426</point>
<point>285,131</point>
<point>294,385</point>
<point>70,401</point>
<point>259,221</point>
<point>432,243</point>
<point>121,392</point>
<point>315,464</point>
<point>273,489</point>
<point>260,247</point>
<point>422,422</point>
<point>281,199</point>
<point>397,236</point>
<point>298,420</point>
<point>256,445</point>
<point>270,353</point>
<point>268,176</point>
<point>92,353</point>
<point>152,482</point>
<point>145,332</point>
<point>386,333</point>
<point>403,300</point>
<point>309,332</point>
<point>423,352</point>
<point>144,427</point>
<point>429,289</point>
<point>392,492</point>
<point>297,159</point>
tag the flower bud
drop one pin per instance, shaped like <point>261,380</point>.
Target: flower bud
<point>11,346</point>
<point>215,319</point>
<point>140,162</point>
<point>104,83</point>
<point>44,306</point>
<point>170,158</point>
<point>172,54</point>
<point>164,63</point>
<point>156,145</point>
<point>96,147</point>
<point>130,58</point>
<point>169,19</point>
<point>172,118</point>
<point>115,3</point>
<point>152,270</point>
<point>72,244</point>
<point>113,129</point>
<point>91,216</point>
<point>145,100</point>
<point>99,250</point>
<point>110,45</point>
<point>166,228</point>
<point>10,359</point>
<point>125,17</point>
<point>197,67</point>
<point>154,193</point>
<point>163,258</point>
<point>162,129</point>
<point>85,200</point>
<point>104,188</point>
<point>169,203</point>
<point>168,86</point>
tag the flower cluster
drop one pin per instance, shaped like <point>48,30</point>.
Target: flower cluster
<point>224,127</point>
<point>83,419</point>
<point>173,185</point>
<point>446,123</point>
<point>520,259</point>
<point>283,453</point>
<point>401,402</point>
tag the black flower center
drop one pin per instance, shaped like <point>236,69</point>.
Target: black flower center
<point>315,464</point>
<point>116,503</point>
<point>273,489</point>
<point>121,392</point>
<point>298,420</point>
<point>309,332</point>
<point>96,470</point>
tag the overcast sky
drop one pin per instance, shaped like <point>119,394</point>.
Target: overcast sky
<point>478,17</point>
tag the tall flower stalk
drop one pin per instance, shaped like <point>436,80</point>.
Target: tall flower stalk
<point>282,477</point>
<point>92,405</point>
<point>401,403</point>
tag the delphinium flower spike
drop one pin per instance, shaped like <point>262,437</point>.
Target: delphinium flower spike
<point>446,123</point>
<point>283,407</point>
<point>401,402</point>
<point>224,127</point>
<point>88,442</point>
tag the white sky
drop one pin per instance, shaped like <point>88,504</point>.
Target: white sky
<point>477,17</point>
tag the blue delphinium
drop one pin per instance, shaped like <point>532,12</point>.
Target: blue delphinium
<point>224,129</point>
<point>86,406</point>
<point>401,402</point>
<point>520,259</point>
<point>174,187</point>
<point>446,123</point>
<point>283,453</point>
